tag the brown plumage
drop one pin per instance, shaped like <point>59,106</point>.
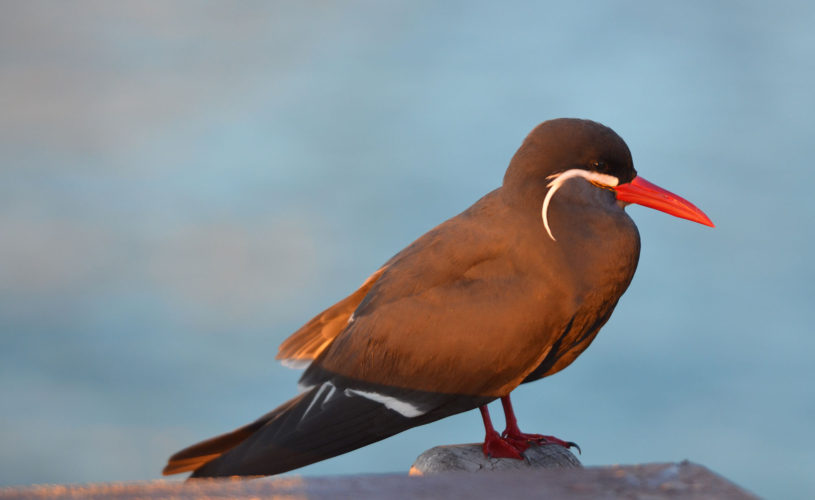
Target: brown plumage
<point>511,290</point>
<point>312,338</point>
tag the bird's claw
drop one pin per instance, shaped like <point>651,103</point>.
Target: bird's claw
<point>522,439</point>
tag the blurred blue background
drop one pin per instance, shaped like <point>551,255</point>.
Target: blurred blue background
<point>183,184</point>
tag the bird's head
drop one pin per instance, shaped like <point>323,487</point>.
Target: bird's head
<point>567,148</point>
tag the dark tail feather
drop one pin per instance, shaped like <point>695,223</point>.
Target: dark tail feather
<point>322,423</point>
<point>199,454</point>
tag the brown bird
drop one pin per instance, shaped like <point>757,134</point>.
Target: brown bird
<point>511,290</point>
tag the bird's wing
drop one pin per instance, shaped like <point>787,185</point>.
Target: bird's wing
<point>312,338</point>
<point>320,423</point>
<point>457,312</point>
<point>196,456</point>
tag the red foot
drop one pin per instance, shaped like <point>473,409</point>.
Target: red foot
<point>519,439</point>
<point>496,447</point>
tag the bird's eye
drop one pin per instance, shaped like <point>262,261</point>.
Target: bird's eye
<point>599,166</point>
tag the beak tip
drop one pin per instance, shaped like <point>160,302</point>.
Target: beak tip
<point>701,218</point>
<point>642,192</point>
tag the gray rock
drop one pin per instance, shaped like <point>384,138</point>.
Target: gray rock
<point>470,458</point>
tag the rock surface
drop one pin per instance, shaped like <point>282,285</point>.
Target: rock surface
<point>470,458</point>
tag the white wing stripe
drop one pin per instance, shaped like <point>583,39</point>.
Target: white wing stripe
<point>325,386</point>
<point>402,407</point>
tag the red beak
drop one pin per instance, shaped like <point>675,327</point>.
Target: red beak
<point>644,193</point>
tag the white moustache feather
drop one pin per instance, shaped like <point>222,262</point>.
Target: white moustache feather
<point>559,179</point>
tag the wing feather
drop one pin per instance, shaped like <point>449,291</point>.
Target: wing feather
<point>444,301</point>
<point>312,338</point>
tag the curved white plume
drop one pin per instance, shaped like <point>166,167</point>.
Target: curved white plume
<point>559,179</point>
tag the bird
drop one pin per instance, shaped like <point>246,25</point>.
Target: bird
<point>509,291</point>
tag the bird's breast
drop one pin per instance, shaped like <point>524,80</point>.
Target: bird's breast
<point>588,267</point>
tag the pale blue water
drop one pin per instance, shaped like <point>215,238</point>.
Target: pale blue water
<point>182,185</point>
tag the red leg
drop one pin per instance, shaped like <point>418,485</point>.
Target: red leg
<point>520,439</point>
<point>494,445</point>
